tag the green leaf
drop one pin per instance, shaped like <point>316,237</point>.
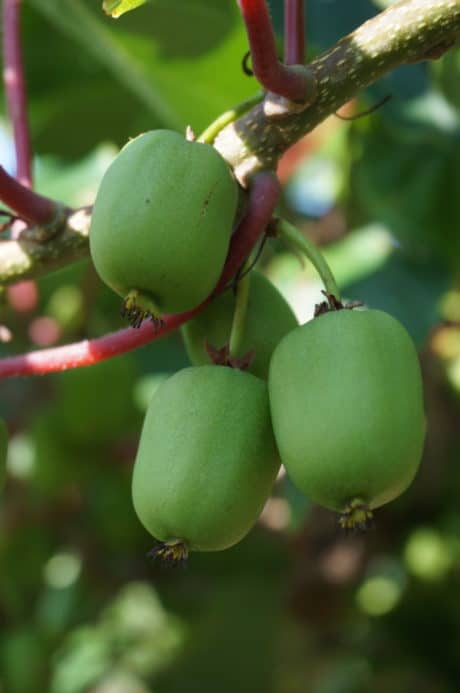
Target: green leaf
<point>405,175</point>
<point>115,8</point>
<point>75,184</point>
<point>408,290</point>
<point>78,22</point>
<point>180,60</point>
<point>446,73</point>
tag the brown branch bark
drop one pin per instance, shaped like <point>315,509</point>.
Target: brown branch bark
<point>30,257</point>
<point>408,31</point>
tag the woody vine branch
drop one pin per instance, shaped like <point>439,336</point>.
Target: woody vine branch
<point>408,31</point>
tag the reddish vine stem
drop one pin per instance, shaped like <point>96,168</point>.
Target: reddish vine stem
<point>262,200</point>
<point>31,207</point>
<point>294,32</point>
<point>13,76</point>
<point>27,204</point>
<point>273,76</point>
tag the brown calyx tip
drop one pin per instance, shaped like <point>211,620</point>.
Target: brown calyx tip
<point>332,303</point>
<point>220,356</point>
<point>356,516</point>
<point>136,308</point>
<point>170,554</point>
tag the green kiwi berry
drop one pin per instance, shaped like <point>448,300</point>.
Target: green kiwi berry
<point>162,222</point>
<point>206,460</point>
<point>347,410</point>
<point>269,317</point>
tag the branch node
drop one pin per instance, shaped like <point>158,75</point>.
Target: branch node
<point>46,232</point>
<point>277,107</point>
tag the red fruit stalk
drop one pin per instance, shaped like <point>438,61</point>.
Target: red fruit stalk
<point>273,75</point>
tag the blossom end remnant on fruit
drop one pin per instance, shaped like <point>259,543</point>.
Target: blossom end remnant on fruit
<point>137,307</point>
<point>173,552</point>
<point>356,516</point>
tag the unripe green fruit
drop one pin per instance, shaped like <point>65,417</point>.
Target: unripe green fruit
<point>3,450</point>
<point>347,410</point>
<point>206,460</point>
<point>161,223</point>
<point>269,317</point>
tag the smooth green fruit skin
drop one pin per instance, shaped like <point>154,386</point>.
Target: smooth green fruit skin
<point>3,450</point>
<point>207,458</point>
<point>269,317</point>
<point>162,220</point>
<point>347,407</point>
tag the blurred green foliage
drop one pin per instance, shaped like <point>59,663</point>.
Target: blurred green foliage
<point>296,607</point>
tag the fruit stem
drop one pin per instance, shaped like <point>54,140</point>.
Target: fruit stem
<point>239,316</point>
<point>209,135</point>
<point>291,234</point>
<point>28,205</point>
<point>263,196</point>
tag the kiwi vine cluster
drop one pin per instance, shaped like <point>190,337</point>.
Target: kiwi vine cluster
<point>338,401</point>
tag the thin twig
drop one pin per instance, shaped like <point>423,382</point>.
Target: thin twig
<point>27,204</point>
<point>13,77</point>
<point>294,32</point>
<point>211,132</point>
<point>367,111</point>
<point>273,76</point>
